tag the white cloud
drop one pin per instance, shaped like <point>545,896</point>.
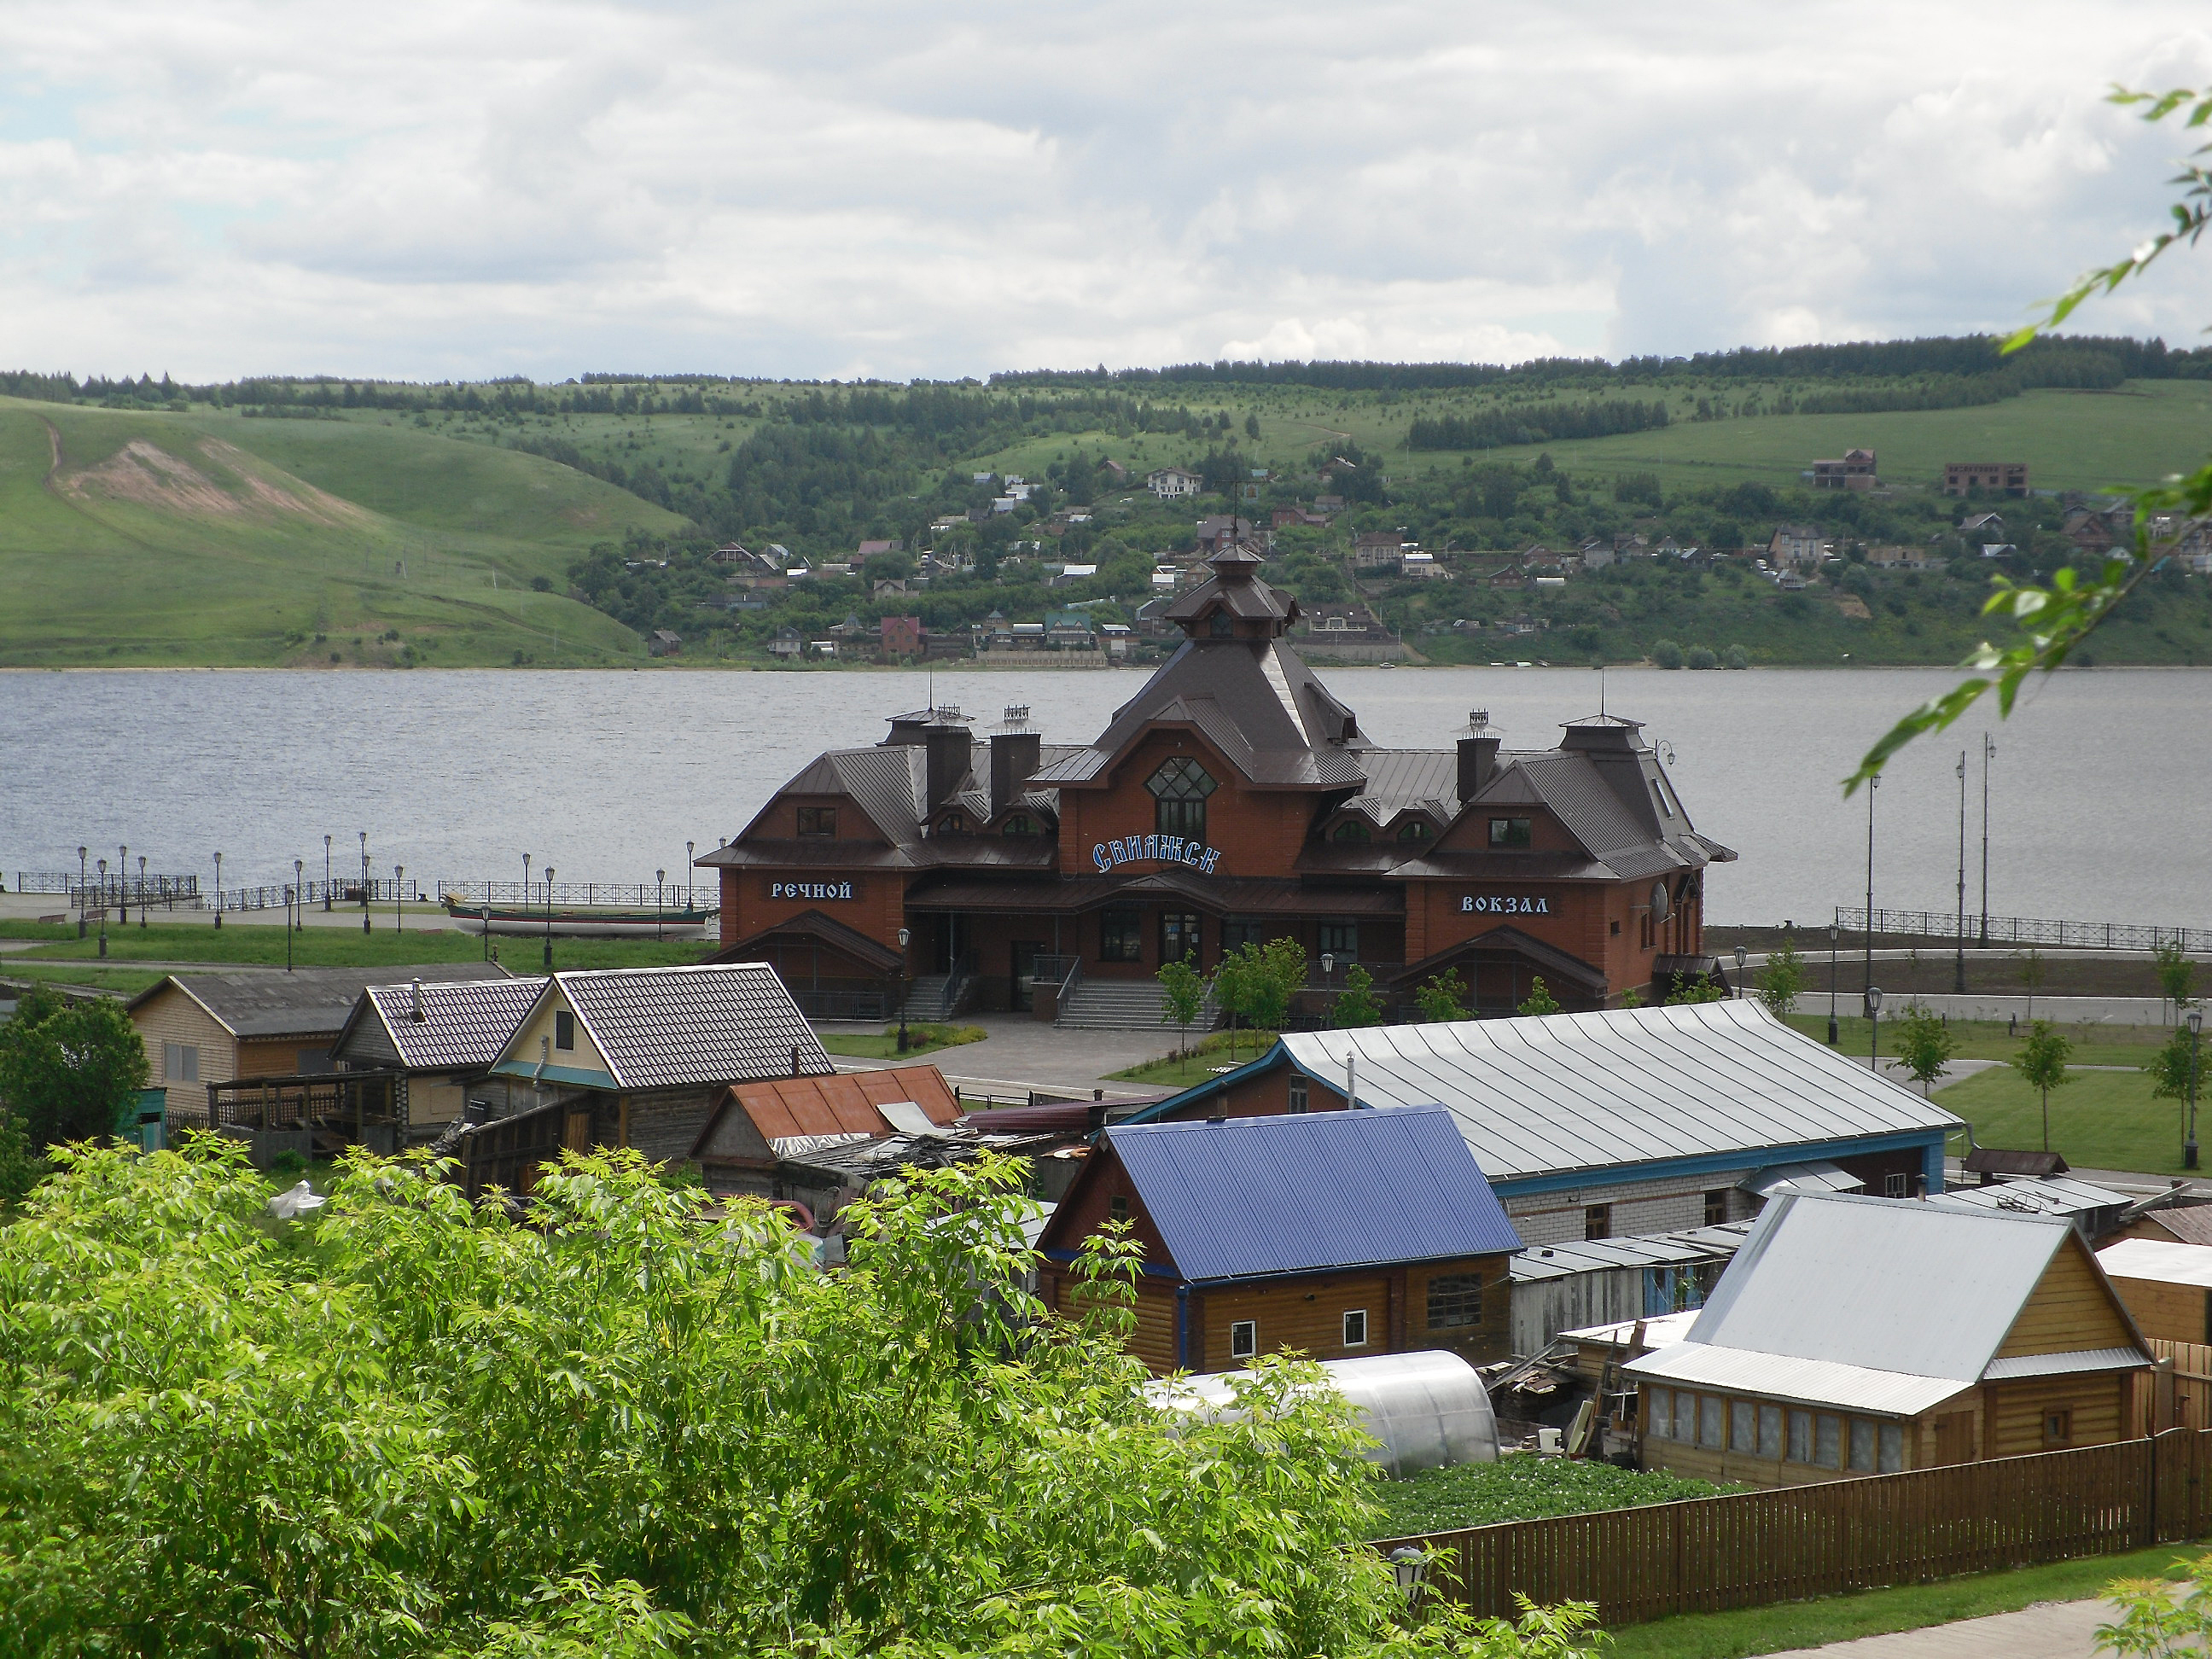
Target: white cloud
<point>485,187</point>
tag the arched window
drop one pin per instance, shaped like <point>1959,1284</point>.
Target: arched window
<point>1350,829</point>
<point>1221,625</point>
<point>1021,824</point>
<point>1179,790</point>
<point>1413,830</point>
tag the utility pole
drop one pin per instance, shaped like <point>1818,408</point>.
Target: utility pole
<point>1988,750</point>
<point>1873,783</point>
<point>1959,934</point>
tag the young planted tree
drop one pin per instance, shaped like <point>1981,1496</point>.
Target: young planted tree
<point>1704,989</point>
<point>2032,969</point>
<point>2041,1063</point>
<point>1442,999</point>
<point>1281,976</point>
<point>1540,1000</point>
<point>69,1068</point>
<point>1781,981</point>
<point>1183,994</point>
<point>2177,975</point>
<point>1925,1045</point>
<point>1357,1004</point>
<point>1232,989</point>
<point>2178,1066</point>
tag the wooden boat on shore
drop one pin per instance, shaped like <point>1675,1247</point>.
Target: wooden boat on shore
<point>592,920</point>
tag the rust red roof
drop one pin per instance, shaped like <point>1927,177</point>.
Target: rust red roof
<point>780,1108</point>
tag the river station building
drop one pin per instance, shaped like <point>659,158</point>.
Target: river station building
<point>1233,800</point>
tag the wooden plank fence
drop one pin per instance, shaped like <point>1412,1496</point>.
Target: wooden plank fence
<point>1753,1549</point>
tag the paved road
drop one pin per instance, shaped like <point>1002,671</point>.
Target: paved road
<point>2053,1629</point>
<point>1022,1054</point>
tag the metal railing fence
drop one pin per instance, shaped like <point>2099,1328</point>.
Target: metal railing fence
<point>2023,930</point>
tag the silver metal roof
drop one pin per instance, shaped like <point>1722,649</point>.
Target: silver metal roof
<point>1694,1244</point>
<point>1630,1085</point>
<point>1782,1377</point>
<point>2059,1196</point>
<point>2075,1360</point>
<point>2156,1259</point>
<point>1818,1176</point>
<point>1659,1331</point>
<point>1888,1284</point>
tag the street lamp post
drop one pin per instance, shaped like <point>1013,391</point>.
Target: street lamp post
<point>299,881</point>
<point>1835,937</point>
<point>1740,953</point>
<point>398,916</point>
<point>1959,929</point>
<point>1989,749</point>
<point>690,851</point>
<point>2189,1147</point>
<point>1873,783</point>
<point>326,875</point>
<point>1327,967</point>
<point>659,897</point>
<point>142,890</point>
<point>103,907</point>
<point>364,880</point>
<point>218,892</point>
<point>80,853</point>
<point>549,918</point>
<point>904,934</point>
<point>1874,1029</point>
<point>123,886</point>
<point>525,882</point>
<point>290,894</point>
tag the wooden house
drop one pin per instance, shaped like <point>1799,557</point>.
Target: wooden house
<point>439,1037</point>
<point>218,1027</point>
<point>1863,1336</point>
<point>1334,1235</point>
<point>2167,1286</point>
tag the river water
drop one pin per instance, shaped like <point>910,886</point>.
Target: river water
<point>2099,792</point>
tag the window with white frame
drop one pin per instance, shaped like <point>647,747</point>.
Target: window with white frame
<point>1244,1339</point>
<point>180,1062</point>
<point>1662,1414</point>
<point>1297,1100</point>
<point>1355,1327</point>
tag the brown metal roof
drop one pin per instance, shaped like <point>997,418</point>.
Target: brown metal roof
<point>310,1002</point>
<point>464,1023</point>
<point>821,928</point>
<point>1232,897</point>
<point>843,1104</point>
<point>666,1027</point>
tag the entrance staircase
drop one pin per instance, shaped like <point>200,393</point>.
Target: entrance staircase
<point>1108,1005</point>
<point>931,999</point>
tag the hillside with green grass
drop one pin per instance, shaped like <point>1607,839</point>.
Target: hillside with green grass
<point>142,538</point>
<point>319,522</point>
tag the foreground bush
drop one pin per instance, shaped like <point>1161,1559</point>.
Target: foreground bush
<point>412,1427</point>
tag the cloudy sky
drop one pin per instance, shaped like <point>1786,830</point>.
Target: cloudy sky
<point>480,187</point>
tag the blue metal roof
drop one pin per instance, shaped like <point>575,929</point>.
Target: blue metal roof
<point>1284,1194</point>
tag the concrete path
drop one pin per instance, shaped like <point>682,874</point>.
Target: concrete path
<point>1022,1054</point>
<point>2051,1629</point>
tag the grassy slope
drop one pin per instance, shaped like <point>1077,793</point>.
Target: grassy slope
<point>1797,1625</point>
<point>2100,1121</point>
<point>422,941</point>
<point>95,578</point>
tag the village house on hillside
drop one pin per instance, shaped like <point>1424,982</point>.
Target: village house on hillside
<point>1361,1233</point>
<point>441,1035</point>
<point>1852,1336</point>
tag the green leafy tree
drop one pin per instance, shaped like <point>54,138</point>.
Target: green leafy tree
<point>1704,989</point>
<point>1232,989</point>
<point>1442,998</point>
<point>416,1428</point>
<point>1781,981</point>
<point>1632,996</point>
<point>1540,1000</point>
<point>2177,975</point>
<point>68,1068</point>
<point>2177,1067</point>
<point>2055,621</point>
<point>1357,1005</point>
<point>1182,989</point>
<point>1925,1044</point>
<point>1281,976</point>
<point>1666,654</point>
<point>2041,1063</point>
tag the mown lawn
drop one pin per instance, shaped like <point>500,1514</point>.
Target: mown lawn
<point>335,947</point>
<point>1181,1071</point>
<point>125,982</point>
<point>1521,1487</point>
<point>2093,1045</point>
<point>2099,1120</point>
<point>1795,1624</point>
<point>921,1040</point>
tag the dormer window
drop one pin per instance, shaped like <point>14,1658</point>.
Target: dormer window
<point>1660,795</point>
<point>1021,824</point>
<point>1414,830</point>
<point>1509,832</point>
<point>952,824</point>
<point>818,821</point>
<point>1351,829</point>
<point>1221,625</point>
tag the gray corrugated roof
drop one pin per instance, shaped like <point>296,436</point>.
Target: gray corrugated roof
<point>465,1023</point>
<point>2059,1196</point>
<point>664,1027</point>
<point>1629,1086</point>
<point>1695,1245</point>
<point>307,1002</point>
<point>1883,1284</point>
<point>1259,1195</point>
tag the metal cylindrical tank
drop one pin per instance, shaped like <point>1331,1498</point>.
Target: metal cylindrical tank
<point>1426,1409</point>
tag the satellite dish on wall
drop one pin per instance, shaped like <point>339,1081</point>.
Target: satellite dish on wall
<point>1662,904</point>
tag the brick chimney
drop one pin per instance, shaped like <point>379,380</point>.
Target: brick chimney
<point>1478,755</point>
<point>945,744</point>
<point>1016,751</point>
